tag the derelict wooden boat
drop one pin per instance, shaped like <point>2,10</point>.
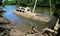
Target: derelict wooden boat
<point>30,15</point>
<point>33,16</point>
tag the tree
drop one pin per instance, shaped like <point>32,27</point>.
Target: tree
<point>1,2</point>
<point>57,8</point>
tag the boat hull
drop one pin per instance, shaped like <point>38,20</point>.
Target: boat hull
<point>31,16</point>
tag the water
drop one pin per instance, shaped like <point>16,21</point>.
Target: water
<point>15,19</point>
<point>10,16</point>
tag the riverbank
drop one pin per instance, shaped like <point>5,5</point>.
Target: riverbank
<point>3,21</point>
<point>11,30</point>
<point>7,29</point>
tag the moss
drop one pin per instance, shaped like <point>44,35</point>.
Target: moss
<point>4,22</point>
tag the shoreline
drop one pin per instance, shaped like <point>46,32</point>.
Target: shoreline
<point>16,30</point>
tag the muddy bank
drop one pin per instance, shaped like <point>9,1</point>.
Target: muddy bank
<point>7,29</point>
<point>11,30</point>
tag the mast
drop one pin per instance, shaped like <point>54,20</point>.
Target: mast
<point>35,6</point>
<point>50,9</point>
<point>50,5</point>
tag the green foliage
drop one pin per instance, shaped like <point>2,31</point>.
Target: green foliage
<point>27,2</point>
<point>1,8</point>
<point>1,2</point>
<point>30,3</point>
<point>57,14</point>
<point>57,8</point>
<point>10,2</point>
